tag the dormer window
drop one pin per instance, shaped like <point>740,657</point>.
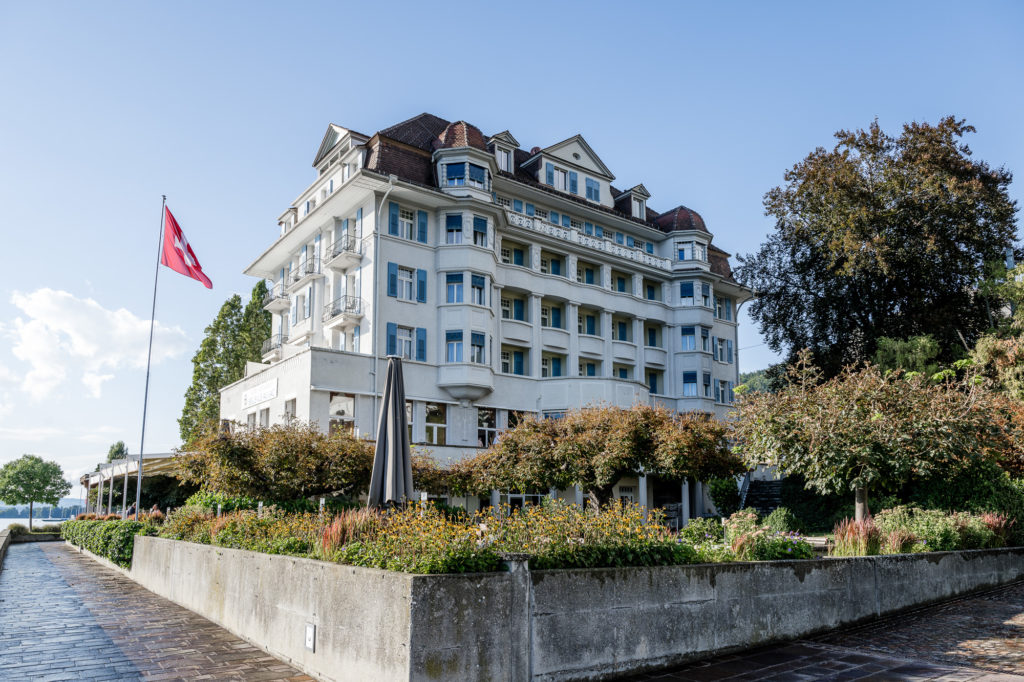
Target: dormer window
<point>638,208</point>
<point>504,160</point>
<point>559,178</point>
<point>593,190</point>
<point>691,251</point>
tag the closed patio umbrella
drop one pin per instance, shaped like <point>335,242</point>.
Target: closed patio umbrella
<point>391,480</point>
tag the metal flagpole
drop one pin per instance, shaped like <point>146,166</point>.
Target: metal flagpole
<point>149,356</point>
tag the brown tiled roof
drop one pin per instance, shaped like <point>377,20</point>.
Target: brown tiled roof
<point>719,261</point>
<point>419,131</point>
<point>409,163</point>
<point>680,218</point>
<point>406,148</point>
<point>460,134</point>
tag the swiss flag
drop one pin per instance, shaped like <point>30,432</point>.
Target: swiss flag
<point>177,254</point>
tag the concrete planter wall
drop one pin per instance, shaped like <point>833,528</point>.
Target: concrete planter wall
<point>541,625</point>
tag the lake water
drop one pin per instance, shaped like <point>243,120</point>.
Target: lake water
<point>36,521</point>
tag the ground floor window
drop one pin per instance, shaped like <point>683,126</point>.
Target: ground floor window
<point>437,423</point>
<point>265,417</point>
<point>289,410</point>
<point>486,426</point>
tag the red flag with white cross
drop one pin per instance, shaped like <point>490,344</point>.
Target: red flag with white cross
<point>177,254</point>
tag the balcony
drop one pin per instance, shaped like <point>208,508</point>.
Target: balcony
<point>591,345</point>
<point>517,331</point>
<point>272,348</point>
<point>344,253</point>
<point>553,337</point>
<point>307,271</point>
<point>466,381</point>
<point>276,300</point>
<point>624,350</point>
<point>343,312</point>
<point>655,356</point>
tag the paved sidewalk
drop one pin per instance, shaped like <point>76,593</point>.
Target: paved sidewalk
<point>972,638</point>
<point>65,617</point>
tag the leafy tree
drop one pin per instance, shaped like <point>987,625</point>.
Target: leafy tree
<point>235,337</point>
<point>29,480</point>
<point>868,430</point>
<point>595,447</point>
<point>117,451</point>
<point>916,354</point>
<point>756,381</point>
<point>881,236</point>
<point>283,463</point>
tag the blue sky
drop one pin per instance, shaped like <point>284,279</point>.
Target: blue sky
<point>221,106</point>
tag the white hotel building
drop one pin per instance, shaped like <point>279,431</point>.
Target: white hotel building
<point>512,281</point>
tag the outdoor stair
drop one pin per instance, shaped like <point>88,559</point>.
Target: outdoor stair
<point>764,496</point>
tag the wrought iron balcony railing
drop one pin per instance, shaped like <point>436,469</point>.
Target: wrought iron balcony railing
<point>343,305</point>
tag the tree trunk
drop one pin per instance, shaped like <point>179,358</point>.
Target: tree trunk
<point>29,517</point>
<point>599,497</point>
<point>861,511</point>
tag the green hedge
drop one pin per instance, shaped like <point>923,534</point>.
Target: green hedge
<point>111,539</point>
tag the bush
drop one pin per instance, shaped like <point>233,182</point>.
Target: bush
<point>422,539</point>
<point>86,517</point>
<point>725,494</point>
<point>17,529</point>
<point>189,523</point>
<point>348,526</point>
<point>701,530</point>
<point>935,531</point>
<point>782,520</point>
<point>275,532</point>
<point>766,545</point>
<point>49,528</point>
<point>111,539</point>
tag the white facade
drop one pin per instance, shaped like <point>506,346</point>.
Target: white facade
<point>511,282</point>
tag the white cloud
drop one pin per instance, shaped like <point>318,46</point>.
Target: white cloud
<point>64,336</point>
<point>32,433</point>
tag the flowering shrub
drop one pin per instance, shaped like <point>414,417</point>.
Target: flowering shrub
<point>751,541</point>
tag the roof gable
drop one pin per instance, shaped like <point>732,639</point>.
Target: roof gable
<point>576,151</point>
<point>331,138</point>
<point>504,137</point>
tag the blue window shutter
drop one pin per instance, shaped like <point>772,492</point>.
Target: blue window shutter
<point>392,218</point>
<point>359,221</point>
<point>574,186</point>
<point>556,367</point>
<point>453,335</point>
<point>588,228</point>
<point>476,338</point>
<point>686,290</point>
<point>529,209</point>
<point>309,301</point>
<point>517,205</point>
<point>344,228</point>
<point>553,216</point>
<point>566,221</point>
<point>714,347</point>
<point>728,349</point>
<point>517,256</point>
<point>421,286</point>
<point>598,231</point>
<point>556,266</point>
<point>304,250</point>
<point>421,222</point>
<point>392,341</point>
<point>591,325</point>
<point>421,344</point>
<point>282,277</point>
<point>556,317</point>
<point>517,309</point>
<point>549,173</point>
<point>393,279</point>
<point>517,362</point>
<point>588,276</point>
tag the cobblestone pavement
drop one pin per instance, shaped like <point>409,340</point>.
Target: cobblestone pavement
<point>973,638</point>
<point>65,617</point>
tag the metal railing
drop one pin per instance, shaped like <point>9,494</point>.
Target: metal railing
<point>275,292</point>
<point>273,343</point>
<point>744,489</point>
<point>310,266</point>
<point>343,305</point>
<point>344,244</point>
